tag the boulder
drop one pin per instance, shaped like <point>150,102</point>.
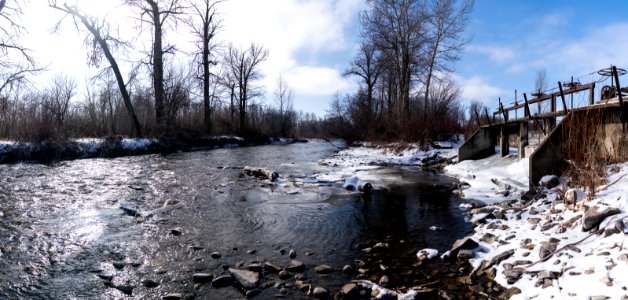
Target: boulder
<point>463,244</point>
<point>502,256</point>
<point>549,181</point>
<point>320,293</point>
<point>271,268</point>
<point>246,279</point>
<point>596,214</point>
<point>324,269</point>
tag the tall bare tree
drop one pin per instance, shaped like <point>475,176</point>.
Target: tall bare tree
<point>205,31</point>
<point>159,17</point>
<point>58,95</point>
<point>447,23</point>
<point>101,41</point>
<point>366,66</point>
<point>284,99</point>
<point>243,65</point>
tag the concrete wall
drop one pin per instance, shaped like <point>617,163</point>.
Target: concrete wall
<point>612,140</point>
<point>548,157</point>
<point>481,144</point>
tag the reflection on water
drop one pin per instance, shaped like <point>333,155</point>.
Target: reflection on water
<point>62,231</point>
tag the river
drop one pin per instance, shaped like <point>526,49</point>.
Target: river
<point>62,230</point>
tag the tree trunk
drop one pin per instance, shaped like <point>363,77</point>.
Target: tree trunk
<point>206,103</point>
<point>158,65</point>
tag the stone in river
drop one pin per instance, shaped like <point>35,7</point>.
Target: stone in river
<point>463,244</point>
<point>222,281</point>
<point>284,274</point>
<point>292,253</point>
<point>176,231</point>
<point>320,293</point>
<point>271,268</point>
<point>252,293</point>
<point>384,281</point>
<point>247,279</point>
<point>324,269</point>
<point>295,266</point>
<point>215,255</point>
<point>202,277</point>
<point>347,269</point>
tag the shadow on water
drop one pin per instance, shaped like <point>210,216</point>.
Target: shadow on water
<point>63,236</point>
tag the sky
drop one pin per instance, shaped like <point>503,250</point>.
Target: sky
<point>311,43</point>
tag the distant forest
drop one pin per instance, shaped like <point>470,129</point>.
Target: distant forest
<point>403,67</point>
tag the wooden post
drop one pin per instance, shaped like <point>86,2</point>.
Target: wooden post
<point>501,108</point>
<point>553,103</point>
<point>526,110</point>
<point>503,145</point>
<point>477,118</point>
<point>562,96</point>
<point>488,119</point>
<point>591,94</point>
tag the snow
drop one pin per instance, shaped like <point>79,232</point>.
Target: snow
<point>587,264</point>
<point>427,253</point>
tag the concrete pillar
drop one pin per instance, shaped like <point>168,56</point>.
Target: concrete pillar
<point>523,139</point>
<point>503,140</point>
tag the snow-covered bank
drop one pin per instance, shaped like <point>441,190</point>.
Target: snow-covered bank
<point>44,152</point>
<point>550,244</point>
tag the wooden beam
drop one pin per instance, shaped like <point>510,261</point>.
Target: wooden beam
<point>621,101</point>
<point>562,96</point>
<point>526,111</point>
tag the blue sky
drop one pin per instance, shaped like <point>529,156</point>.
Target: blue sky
<point>311,42</point>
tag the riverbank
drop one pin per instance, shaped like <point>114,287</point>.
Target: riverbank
<point>555,243</point>
<point>111,147</point>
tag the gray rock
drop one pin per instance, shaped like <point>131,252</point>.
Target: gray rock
<point>549,181</point>
<point>623,257</point>
<point>118,264</point>
<point>295,266</point>
<point>130,209</point>
<point>292,253</point>
<point>255,267</point>
<point>284,275</point>
<point>463,244</point>
<point>252,293</point>
<point>126,289</point>
<point>176,231</point>
<point>222,281</point>
<point>465,254</point>
<point>271,268</point>
<point>320,293</point>
<point>547,274</point>
<point>324,269</point>
<point>488,238</point>
<point>246,279</point>
<point>513,275</point>
<point>546,250</point>
<point>215,255</point>
<point>571,197</point>
<point>596,214</point>
<point>202,277</point>
<point>502,256</point>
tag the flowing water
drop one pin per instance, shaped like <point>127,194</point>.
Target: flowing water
<point>62,230</point>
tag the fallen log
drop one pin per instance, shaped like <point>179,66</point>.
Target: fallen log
<point>261,172</point>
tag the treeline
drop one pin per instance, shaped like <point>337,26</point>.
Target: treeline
<point>213,90</point>
<point>403,66</point>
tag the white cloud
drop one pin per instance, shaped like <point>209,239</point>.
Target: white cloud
<point>495,53</point>
<point>476,88</point>
<point>317,81</point>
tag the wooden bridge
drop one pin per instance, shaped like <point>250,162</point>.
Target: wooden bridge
<point>547,157</point>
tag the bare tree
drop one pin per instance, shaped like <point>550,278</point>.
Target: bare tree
<point>448,21</point>
<point>395,27</point>
<point>367,68</point>
<point>243,66</point>
<point>58,95</point>
<point>284,99</point>
<point>177,87</point>
<point>540,85</point>
<point>206,31</point>
<point>100,40</point>
<point>159,17</point>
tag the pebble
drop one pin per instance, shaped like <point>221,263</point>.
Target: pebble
<point>118,264</point>
<point>292,253</point>
<point>253,251</point>
<point>215,255</point>
<point>284,275</point>
<point>384,281</point>
<point>295,266</point>
<point>176,231</point>
<point>349,289</point>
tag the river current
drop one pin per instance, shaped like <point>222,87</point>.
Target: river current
<point>62,230</point>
